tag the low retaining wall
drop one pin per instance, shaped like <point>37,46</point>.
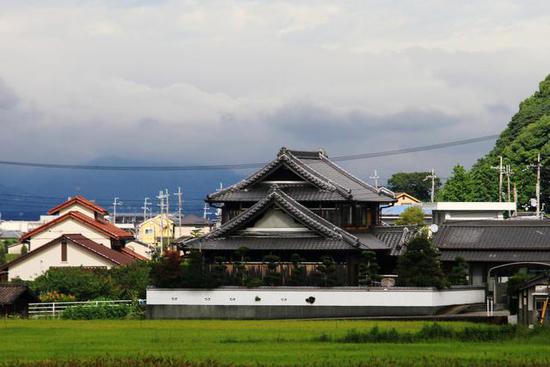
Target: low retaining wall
<point>303,302</point>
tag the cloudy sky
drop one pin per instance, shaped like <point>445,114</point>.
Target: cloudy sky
<point>192,82</point>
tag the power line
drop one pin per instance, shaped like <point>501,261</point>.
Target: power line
<point>245,165</point>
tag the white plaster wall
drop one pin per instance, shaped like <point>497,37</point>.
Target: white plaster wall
<point>139,249</point>
<point>78,208</point>
<point>68,226</point>
<point>36,265</point>
<point>323,297</point>
<point>185,231</point>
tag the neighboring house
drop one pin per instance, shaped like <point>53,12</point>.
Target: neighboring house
<point>191,224</point>
<point>10,235</point>
<point>457,211</point>
<point>68,250</point>
<point>301,203</point>
<point>151,233</point>
<point>405,199</point>
<point>141,248</point>
<point>501,245</point>
<point>78,236</point>
<point>531,298</point>
<point>14,299</point>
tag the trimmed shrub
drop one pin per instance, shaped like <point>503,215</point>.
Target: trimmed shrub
<point>102,312</point>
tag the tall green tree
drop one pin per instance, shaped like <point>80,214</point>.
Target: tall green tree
<point>459,187</point>
<point>368,268</point>
<point>413,183</point>
<point>419,266</point>
<point>459,272</point>
<point>527,134</point>
<point>412,216</point>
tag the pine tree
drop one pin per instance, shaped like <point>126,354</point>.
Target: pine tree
<point>459,272</point>
<point>368,268</point>
<point>298,272</point>
<point>327,269</point>
<point>272,276</point>
<point>419,266</point>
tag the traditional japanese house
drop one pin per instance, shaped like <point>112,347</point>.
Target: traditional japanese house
<point>302,203</point>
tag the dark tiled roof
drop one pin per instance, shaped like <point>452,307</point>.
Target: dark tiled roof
<point>394,238</point>
<point>9,293</point>
<point>275,244</point>
<point>320,227</point>
<point>495,255</point>
<point>323,175</point>
<point>503,234</point>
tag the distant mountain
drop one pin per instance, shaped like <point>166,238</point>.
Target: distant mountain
<point>25,193</point>
<point>527,134</point>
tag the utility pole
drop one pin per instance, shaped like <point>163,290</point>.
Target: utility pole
<point>116,203</point>
<point>205,211</point>
<point>500,169</point>
<point>145,208</point>
<point>538,185</point>
<point>375,177</point>
<point>167,197</point>
<point>161,198</point>
<point>508,172</point>
<point>180,206</point>
<point>432,176</point>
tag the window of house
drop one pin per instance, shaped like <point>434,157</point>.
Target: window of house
<point>148,230</point>
<point>63,251</point>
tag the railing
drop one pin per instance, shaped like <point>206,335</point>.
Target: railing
<point>55,309</point>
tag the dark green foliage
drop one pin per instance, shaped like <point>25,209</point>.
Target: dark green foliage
<point>130,282</point>
<point>272,276</point>
<point>419,266</point>
<point>240,266</point>
<point>194,272</point>
<point>82,283</point>
<point>298,274</point>
<point>327,272</point>
<point>166,272</point>
<point>459,272</point>
<point>413,183</point>
<point>527,134</point>
<point>412,216</point>
<point>24,249</point>
<point>368,268</point>
<point>102,312</point>
<point>219,271</point>
<point>459,187</point>
<point>3,251</point>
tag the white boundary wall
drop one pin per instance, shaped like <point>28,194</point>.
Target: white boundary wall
<point>348,297</point>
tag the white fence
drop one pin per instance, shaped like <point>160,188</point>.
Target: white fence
<point>55,309</point>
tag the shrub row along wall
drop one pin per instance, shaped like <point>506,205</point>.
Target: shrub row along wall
<point>300,302</point>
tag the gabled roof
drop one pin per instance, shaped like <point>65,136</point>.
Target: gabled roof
<point>323,176</point>
<point>321,230</point>
<point>100,225</point>
<point>116,257</point>
<point>80,200</point>
<point>494,234</point>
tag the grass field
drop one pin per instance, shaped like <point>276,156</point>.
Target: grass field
<point>281,343</point>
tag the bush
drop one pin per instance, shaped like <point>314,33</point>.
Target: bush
<point>102,312</point>
<point>55,296</point>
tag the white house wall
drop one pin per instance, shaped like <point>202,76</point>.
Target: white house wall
<point>36,265</point>
<point>68,226</point>
<point>78,208</point>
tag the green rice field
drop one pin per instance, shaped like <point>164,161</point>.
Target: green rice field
<point>212,343</point>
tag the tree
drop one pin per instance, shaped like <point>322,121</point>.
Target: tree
<point>419,266</point>
<point>298,271</point>
<point>459,272</point>
<point>368,268</point>
<point>411,216</point>
<point>167,272</point>
<point>459,186</point>
<point>130,281</point>
<point>413,183</point>
<point>327,270</point>
<point>240,266</point>
<point>3,251</point>
<point>272,276</point>
<point>24,249</point>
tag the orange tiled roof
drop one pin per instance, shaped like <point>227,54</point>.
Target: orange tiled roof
<point>101,225</point>
<point>81,200</point>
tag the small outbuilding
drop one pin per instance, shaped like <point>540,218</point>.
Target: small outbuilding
<point>14,299</point>
<point>534,301</point>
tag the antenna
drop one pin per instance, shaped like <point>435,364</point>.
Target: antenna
<point>375,177</point>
